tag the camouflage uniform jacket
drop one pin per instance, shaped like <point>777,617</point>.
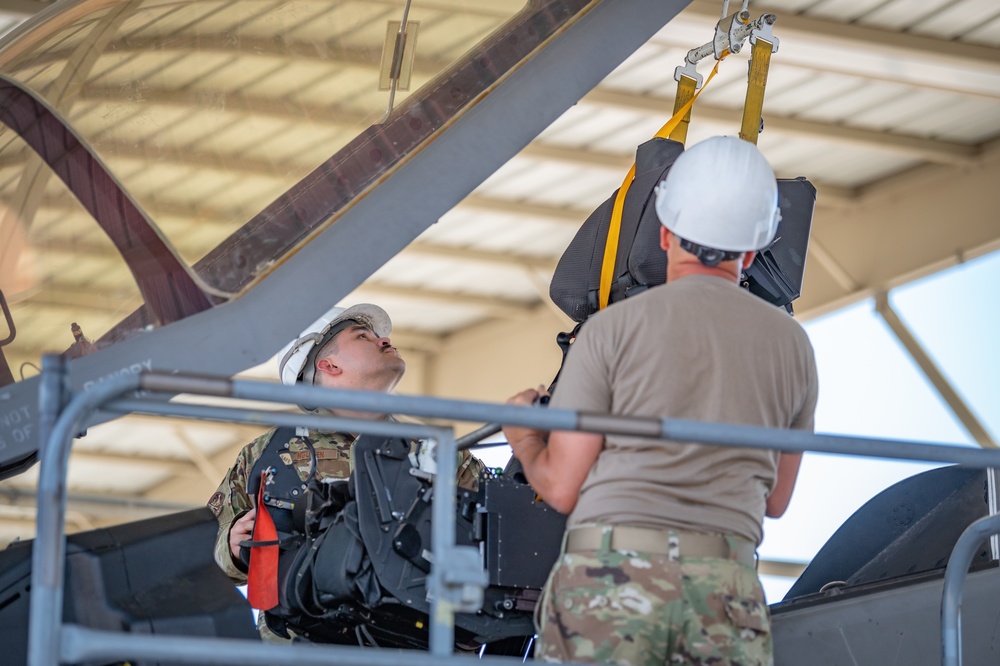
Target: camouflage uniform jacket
<point>334,458</point>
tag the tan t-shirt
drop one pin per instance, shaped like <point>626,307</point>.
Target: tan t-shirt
<point>696,348</point>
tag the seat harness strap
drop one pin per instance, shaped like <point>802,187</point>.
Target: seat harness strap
<point>614,229</point>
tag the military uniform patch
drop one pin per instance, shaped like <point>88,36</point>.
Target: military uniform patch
<point>215,504</point>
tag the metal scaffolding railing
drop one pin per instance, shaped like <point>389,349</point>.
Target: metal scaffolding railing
<point>50,642</point>
<point>954,580</point>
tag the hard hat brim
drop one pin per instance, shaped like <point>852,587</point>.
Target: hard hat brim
<point>296,355</point>
<point>367,314</point>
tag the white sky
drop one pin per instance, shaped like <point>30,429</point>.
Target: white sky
<point>870,386</point>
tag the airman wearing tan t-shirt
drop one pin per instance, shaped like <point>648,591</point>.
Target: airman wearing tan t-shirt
<point>658,564</point>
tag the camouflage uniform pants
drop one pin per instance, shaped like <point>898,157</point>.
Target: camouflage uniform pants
<point>635,609</point>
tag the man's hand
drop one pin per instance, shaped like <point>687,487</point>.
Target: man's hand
<point>529,396</point>
<point>556,463</point>
<point>516,435</point>
<point>242,530</point>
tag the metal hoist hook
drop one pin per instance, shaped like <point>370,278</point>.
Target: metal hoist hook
<point>731,32</point>
<point>725,7</point>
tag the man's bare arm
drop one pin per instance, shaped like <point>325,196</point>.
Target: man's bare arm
<point>784,484</point>
<point>556,468</point>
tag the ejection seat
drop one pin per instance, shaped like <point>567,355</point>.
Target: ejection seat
<point>360,575</point>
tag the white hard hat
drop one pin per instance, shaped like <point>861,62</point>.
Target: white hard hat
<point>297,362</point>
<point>721,193</point>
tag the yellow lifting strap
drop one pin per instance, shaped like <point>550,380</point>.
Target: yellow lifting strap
<point>614,229</point>
<point>686,90</point>
<point>753,109</point>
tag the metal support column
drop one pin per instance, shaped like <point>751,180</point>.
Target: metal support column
<point>442,629</point>
<point>48,555</point>
<point>933,373</point>
<point>457,587</point>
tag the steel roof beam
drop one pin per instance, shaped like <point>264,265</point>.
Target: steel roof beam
<point>204,464</point>
<point>417,248</point>
<point>418,341</point>
<point>99,504</point>
<point>169,465</point>
<point>520,209</point>
<point>914,215</point>
<point>324,114</point>
<point>944,152</point>
<point>929,150</point>
<point>496,307</point>
<point>934,151</point>
<point>197,159</point>
<point>898,46</point>
<point>82,298</point>
<point>780,568</point>
<point>302,51</point>
<point>618,162</point>
<point>478,256</point>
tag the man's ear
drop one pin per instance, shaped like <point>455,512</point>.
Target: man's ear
<point>664,238</point>
<point>748,259</point>
<point>328,367</point>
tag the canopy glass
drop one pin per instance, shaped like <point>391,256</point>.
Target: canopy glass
<point>158,157</point>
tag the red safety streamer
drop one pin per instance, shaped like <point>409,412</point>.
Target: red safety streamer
<point>262,576</point>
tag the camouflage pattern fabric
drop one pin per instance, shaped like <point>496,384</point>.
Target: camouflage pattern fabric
<point>231,500</point>
<point>635,609</point>
<point>334,456</point>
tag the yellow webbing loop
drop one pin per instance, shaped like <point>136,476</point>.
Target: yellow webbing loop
<point>760,61</point>
<point>614,229</point>
<point>686,90</point>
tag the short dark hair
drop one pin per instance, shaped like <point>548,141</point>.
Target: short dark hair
<point>329,345</point>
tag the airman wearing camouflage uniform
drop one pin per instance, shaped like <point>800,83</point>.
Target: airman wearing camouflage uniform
<point>346,348</point>
<point>334,461</point>
<point>231,500</point>
<point>658,559</point>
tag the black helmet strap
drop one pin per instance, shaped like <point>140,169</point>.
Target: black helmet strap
<point>708,256</point>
